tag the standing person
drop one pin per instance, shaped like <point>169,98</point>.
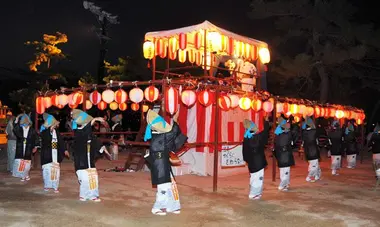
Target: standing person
<point>11,144</point>
<point>350,145</point>
<point>25,145</point>
<point>253,154</point>
<point>283,152</point>
<point>374,142</point>
<point>335,137</point>
<point>86,147</point>
<point>52,152</point>
<point>310,144</point>
<point>165,140</point>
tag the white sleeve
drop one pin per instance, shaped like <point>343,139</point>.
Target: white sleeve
<point>102,149</point>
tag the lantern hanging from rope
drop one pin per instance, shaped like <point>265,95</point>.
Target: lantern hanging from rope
<point>40,107</point>
<point>151,93</point>
<point>234,100</point>
<point>256,105</point>
<point>108,96</point>
<point>268,106</point>
<point>171,100</point>
<point>47,102</point>
<point>102,105</point>
<point>145,108</point>
<point>55,100</point>
<point>114,105</point>
<point>123,106</point>
<point>88,104</point>
<point>245,103</point>
<point>121,96</point>
<point>264,55</point>
<point>188,97</point>
<point>148,49</point>
<point>182,41</point>
<point>135,106</point>
<point>136,95</point>
<point>63,100</point>
<point>95,97</point>
<point>205,98</point>
<point>224,102</point>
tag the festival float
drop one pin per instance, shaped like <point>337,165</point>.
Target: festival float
<point>211,109</point>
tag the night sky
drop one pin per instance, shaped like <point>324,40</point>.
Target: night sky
<point>24,20</point>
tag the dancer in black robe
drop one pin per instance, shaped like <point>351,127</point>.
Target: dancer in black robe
<point>165,139</point>
<point>374,142</point>
<point>283,152</point>
<point>335,139</point>
<point>350,145</point>
<point>52,152</point>
<point>26,145</point>
<point>86,147</point>
<point>253,154</point>
<point>310,144</point>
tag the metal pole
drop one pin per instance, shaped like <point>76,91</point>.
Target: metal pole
<point>216,143</point>
<point>273,129</point>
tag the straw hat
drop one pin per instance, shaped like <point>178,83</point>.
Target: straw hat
<point>80,117</point>
<point>159,127</point>
<point>25,120</point>
<point>49,120</point>
<point>248,124</point>
<point>117,118</point>
<point>9,113</point>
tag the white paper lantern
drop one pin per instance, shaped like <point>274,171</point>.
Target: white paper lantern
<point>234,100</point>
<point>136,95</point>
<point>108,96</point>
<point>188,97</point>
<point>63,99</point>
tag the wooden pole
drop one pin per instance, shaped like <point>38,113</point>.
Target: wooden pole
<point>154,67</point>
<point>273,129</point>
<point>216,143</point>
<point>205,54</point>
<point>362,144</point>
<point>258,79</point>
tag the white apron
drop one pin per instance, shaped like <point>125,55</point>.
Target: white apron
<point>21,167</point>
<point>51,171</point>
<point>167,198</point>
<point>351,161</point>
<point>336,162</point>
<point>256,182</point>
<point>314,171</point>
<point>284,178</point>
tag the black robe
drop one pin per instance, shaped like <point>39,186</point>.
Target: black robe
<point>117,128</point>
<point>81,136</point>
<point>31,142</point>
<point>335,137</point>
<point>350,143</point>
<point>160,146</point>
<point>309,138</point>
<point>253,150</point>
<point>374,142</point>
<point>46,147</point>
<point>283,150</point>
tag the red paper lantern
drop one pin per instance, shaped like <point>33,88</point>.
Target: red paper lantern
<point>182,41</point>
<point>231,47</point>
<point>135,106</point>
<point>224,102</point>
<point>54,100</point>
<point>73,106</point>
<point>317,112</point>
<point>102,105</point>
<point>121,96</point>
<point>234,101</point>
<point>191,55</point>
<point>40,107</point>
<point>256,105</point>
<point>268,106</point>
<point>253,53</point>
<point>123,106</point>
<point>205,98</point>
<point>339,114</point>
<point>198,40</point>
<point>160,48</point>
<point>310,111</point>
<point>95,97</point>
<point>151,93</point>
<point>76,98</point>
<point>47,102</point>
<point>188,97</point>
<point>88,104</point>
<point>171,100</point>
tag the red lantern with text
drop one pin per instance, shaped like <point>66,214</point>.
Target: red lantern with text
<point>121,96</point>
<point>268,106</point>
<point>95,97</point>
<point>224,102</point>
<point>135,106</point>
<point>123,106</point>
<point>256,105</point>
<point>234,100</point>
<point>171,100</point>
<point>102,105</point>
<point>188,97</point>
<point>40,107</point>
<point>151,93</point>
<point>47,102</point>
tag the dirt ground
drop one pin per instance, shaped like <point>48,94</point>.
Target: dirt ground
<point>344,200</point>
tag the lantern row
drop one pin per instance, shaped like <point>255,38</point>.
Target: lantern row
<point>191,46</point>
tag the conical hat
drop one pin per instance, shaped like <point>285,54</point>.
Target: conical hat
<point>49,120</point>
<point>159,127</point>
<point>117,118</point>
<point>248,124</point>
<point>25,120</point>
<point>80,117</point>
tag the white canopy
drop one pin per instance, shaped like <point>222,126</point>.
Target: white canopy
<point>204,26</point>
